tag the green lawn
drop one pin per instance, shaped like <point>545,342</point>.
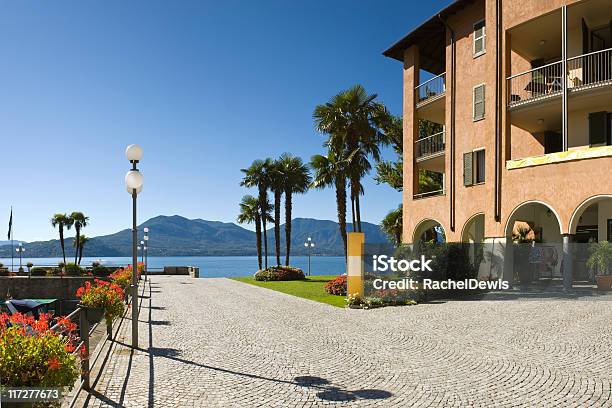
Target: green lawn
<point>310,288</point>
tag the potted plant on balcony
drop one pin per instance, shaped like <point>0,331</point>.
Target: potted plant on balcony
<point>600,259</point>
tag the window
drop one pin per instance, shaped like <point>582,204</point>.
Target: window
<point>474,167</point>
<point>479,102</point>
<point>479,38</point>
<point>480,166</point>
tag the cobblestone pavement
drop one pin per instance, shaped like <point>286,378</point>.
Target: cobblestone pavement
<point>221,343</point>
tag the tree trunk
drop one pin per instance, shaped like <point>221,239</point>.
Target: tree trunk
<point>258,238</point>
<point>61,234</point>
<point>341,207</point>
<point>358,211</point>
<point>80,253</point>
<point>78,241</point>
<point>352,209</point>
<point>263,201</point>
<point>288,208</point>
<point>277,211</point>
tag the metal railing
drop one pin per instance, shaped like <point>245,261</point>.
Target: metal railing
<point>537,83</point>
<point>431,89</point>
<point>590,70</point>
<point>429,146</point>
<point>583,72</point>
<point>428,194</point>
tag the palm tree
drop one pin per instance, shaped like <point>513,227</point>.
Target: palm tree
<point>355,122</point>
<point>249,214</point>
<point>80,221</point>
<point>392,226</point>
<point>79,250</point>
<point>62,221</point>
<point>331,170</point>
<point>277,185</point>
<point>296,177</point>
<point>258,175</point>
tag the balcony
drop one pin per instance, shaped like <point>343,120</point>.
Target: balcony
<point>429,147</point>
<point>431,90</point>
<point>584,72</point>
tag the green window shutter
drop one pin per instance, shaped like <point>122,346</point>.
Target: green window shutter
<point>597,128</point>
<point>479,102</point>
<point>468,169</point>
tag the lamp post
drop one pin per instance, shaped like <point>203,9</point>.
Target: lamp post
<point>20,250</point>
<point>309,244</point>
<point>133,184</point>
<point>146,250</point>
<point>143,247</point>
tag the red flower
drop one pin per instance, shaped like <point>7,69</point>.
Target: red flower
<point>54,363</point>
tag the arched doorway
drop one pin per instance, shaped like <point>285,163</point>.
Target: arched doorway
<point>591,222</point>
<point>429,230</point>
<point>534,244</point>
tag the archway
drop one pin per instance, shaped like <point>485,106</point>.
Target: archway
<point>473,230</point>
<point>429,230</point>
<point>534,244</point>
<point>591,222</point>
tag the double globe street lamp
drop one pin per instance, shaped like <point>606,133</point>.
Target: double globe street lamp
<point>133,183</point>
<point>309,244</point>
<point>146,249</point>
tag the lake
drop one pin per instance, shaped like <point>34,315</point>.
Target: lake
<point>210,266</point>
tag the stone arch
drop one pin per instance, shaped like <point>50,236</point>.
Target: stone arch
<point>424,226</point>
<point>579,211</point>
<point>474,229</point>
<point>534,204</point>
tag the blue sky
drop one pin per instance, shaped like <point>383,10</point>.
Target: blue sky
<point>204,87</point>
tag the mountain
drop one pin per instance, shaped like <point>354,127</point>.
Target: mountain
<point>178,236</point>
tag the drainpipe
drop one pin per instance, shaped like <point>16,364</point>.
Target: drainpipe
<point>452,125</point>
<point>498,108</point>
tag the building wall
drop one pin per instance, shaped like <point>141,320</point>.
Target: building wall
<point>562,186</point>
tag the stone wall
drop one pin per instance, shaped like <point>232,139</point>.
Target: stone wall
<point>41,287</point>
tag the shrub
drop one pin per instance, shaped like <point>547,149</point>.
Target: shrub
<point>29,265</point>
<point>95,264</point>
<point>103,295</point>
<point>38,271</point>
<point>336,286</point>
<point>32,355</point>
<point>74,270</point>
<point>99,270</point>
<point>356,301</point>
<point>279,273</point>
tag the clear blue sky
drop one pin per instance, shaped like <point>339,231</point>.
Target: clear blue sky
<point>204,87</point>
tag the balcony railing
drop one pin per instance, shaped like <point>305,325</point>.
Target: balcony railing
<point>431,89</point>
<point>590,70</point>
<point>429,146</point>
<point>535,84</point>
<point>417,196</point>
<point>583,72</point>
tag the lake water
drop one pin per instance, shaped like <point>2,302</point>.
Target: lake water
<point>210,266</point>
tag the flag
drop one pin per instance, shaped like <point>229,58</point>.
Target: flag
<point>10,224</point>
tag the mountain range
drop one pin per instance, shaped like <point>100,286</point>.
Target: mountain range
<point>179,236</point>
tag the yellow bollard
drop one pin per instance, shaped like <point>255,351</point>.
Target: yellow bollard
<point>354,263</point>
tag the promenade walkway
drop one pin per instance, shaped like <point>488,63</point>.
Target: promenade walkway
<point>221,343</point>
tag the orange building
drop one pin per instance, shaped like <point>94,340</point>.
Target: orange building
<point>508,105</point>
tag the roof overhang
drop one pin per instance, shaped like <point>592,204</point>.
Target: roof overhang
<point>431,39</point>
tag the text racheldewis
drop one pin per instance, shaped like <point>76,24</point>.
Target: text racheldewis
<point>383,263</point>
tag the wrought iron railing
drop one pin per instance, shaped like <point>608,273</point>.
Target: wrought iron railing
<point>589,70</point>
<point>583,72</point>
<point>431,89</point>
<point>537,83</point>
<point>429,146</point>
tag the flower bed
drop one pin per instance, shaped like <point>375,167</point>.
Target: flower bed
<point>279,273</point>
<point>380,300</point>
<point>103,295</point>
<point>32,355</point>
<point>337,286</point>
